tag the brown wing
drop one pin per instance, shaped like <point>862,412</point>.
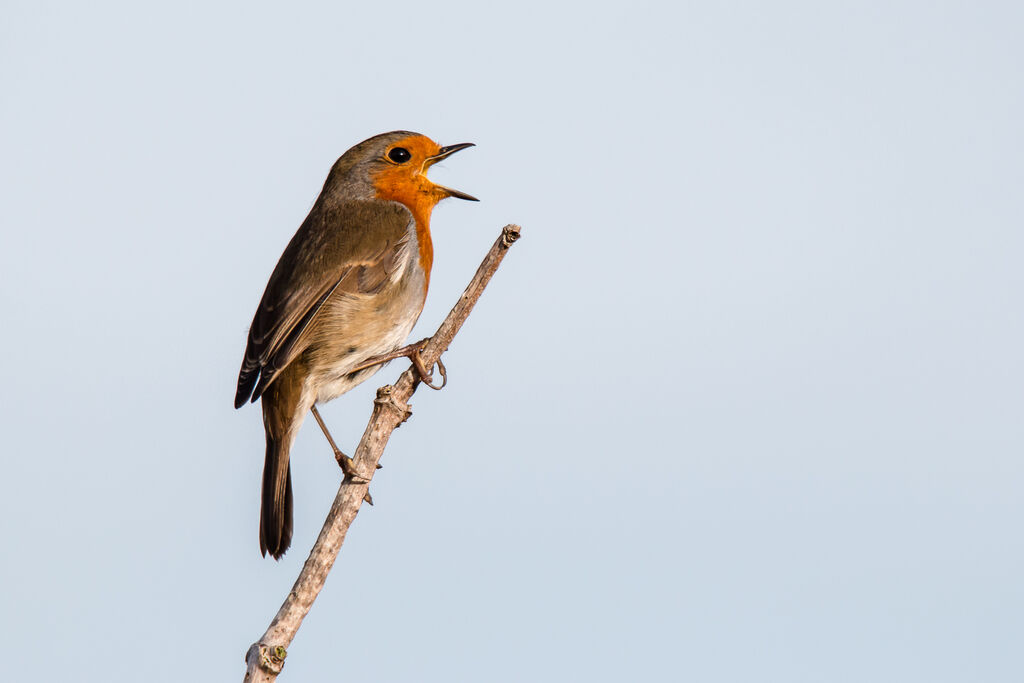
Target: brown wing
<point>353,247</point>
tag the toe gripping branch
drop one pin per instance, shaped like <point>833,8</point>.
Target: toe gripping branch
<point>344,462</point>
<point>412,352</point>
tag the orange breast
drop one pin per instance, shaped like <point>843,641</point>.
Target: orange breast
<point>406,183</point>
<point>420,201</point>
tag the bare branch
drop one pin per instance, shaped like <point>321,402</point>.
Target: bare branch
<point>390,409</point>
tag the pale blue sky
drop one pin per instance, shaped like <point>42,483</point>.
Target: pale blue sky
<point>743,405</point>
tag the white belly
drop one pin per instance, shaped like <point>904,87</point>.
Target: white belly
<point>353,327</point>
<point>335,381</point>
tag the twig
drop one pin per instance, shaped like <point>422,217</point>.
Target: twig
<point>390,409</point>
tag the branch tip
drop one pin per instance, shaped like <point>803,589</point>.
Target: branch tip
<point>509,234</point>
<point>268,659</point>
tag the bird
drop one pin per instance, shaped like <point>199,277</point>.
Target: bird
<point>348,288</point>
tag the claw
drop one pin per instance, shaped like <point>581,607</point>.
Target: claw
<point>425,376</point>
<point>444,376</point>
<point>347,465</point>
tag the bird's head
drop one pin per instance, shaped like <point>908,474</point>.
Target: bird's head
<point>393,166</point>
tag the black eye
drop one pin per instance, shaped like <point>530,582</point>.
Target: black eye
<point>399,155</point>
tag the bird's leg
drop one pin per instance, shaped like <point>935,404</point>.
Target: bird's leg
<point>412,352</point>
<point>344,461</point>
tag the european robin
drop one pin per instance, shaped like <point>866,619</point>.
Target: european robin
<point>349,287</point>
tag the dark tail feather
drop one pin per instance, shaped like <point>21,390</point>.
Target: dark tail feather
<point>276,509</point>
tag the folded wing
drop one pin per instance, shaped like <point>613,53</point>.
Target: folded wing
<point>352,247</point>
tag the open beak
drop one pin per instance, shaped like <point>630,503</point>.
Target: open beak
<point>444,153</point>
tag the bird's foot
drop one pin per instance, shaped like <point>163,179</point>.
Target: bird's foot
<point>426,376</point>
<point>347,465</point>
<point>412,352</point>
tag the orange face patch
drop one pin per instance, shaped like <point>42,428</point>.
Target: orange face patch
<point>406,182</point>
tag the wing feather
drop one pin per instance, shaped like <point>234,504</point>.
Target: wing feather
<point>353,246</point>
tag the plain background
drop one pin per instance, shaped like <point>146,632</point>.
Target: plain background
<point>744,404</point>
